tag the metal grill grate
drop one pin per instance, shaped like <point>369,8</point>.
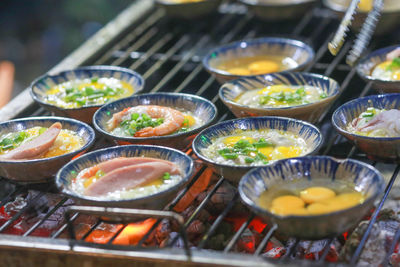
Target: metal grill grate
<point>168,54</point>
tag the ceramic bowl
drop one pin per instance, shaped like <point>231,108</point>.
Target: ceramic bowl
<point>308,112</point>
<point>155,201</point>
<point>387,22</point>
<point>233,173</point>
<point>190,10</point>
<point>366,179</point>
<point>367,65</point>
<point>300,52</point>
<point>44,83</point>
<point>42,170</point>
<point>376,148</point>
<point>278,9</point>
<point>199,106</point>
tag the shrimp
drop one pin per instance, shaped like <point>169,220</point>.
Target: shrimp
<point>173,119</point>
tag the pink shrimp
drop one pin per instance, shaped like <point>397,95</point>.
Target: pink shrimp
<point>173,119</point>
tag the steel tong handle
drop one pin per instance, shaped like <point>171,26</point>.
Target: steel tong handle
<point>366,32</point>
<point>337,42</point>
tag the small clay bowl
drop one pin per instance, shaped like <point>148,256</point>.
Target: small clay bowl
<point>156,201</point>
<point>229,91</point>
<point>42,170</point>
<point>44,83</point>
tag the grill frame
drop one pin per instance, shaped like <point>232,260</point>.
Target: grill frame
<point>140,30</point>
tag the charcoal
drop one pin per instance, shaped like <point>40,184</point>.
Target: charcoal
<point>220,199</point>
<point>248,241</point>
<point>163,230</point>
<point>378,242</point>
<point>195,229</point>
<point>202,215</point>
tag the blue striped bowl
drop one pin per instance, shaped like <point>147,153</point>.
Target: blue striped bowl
<point>41,85</point>
<point>158,200</point>
<point>229,91</point>
<point>233,173</point>
<point>199,106</point>
<point>189,10</point>
<point>367,65</point>
<point>376,148</point>
<point>365,178</point>
<point>272,10</point>
<point>42,170</point>
<point>302,53</point>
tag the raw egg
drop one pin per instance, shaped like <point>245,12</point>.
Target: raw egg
<point>316,194</point>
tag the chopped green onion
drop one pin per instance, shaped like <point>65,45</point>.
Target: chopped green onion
<point>166,176</point>
<point>367,114</point>
<point>94,80</point>
<point>99,173</point>
<point>42,130</point>
<point>248,160</point>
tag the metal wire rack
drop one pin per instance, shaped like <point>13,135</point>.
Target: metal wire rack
<point>168,54</point>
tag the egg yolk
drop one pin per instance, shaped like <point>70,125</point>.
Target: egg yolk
<point>190,121</point>
<point>316,194</point>
<point>314,201</point>
<point>285,205</point>
<point>239,71</point>
<point>232,140</point>
<point>365,5</point>
<point>263,66</point>
<point>284,152</point>
<point>266,151</point>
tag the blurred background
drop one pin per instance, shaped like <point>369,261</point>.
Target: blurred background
<point>36,35</point>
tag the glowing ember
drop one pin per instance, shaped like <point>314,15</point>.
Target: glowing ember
<point>134,232</point>
<point>199,186</point>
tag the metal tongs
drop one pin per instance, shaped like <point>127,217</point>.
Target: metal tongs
<point>364,36</point>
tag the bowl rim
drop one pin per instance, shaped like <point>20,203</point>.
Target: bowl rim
<point>357,136</point>
<point>251,41</point>
<point>329,98</point>
<point>68,192</point>
<point>342,9</point>
<point>163,137</point>
<point>258,209</point>
<point>198,153</point>
<point>276,4</point>
<point>177,4</point>
<point>365,60</point>
<point>87,145</point>
<point>85,68</point>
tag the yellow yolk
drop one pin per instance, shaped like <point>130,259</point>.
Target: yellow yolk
<point>317,208</point>
<point>191,121</point>
<point>155,182</point>
<point>266,151</point>
<point>239,71</point>
<point>283,152</point>
<point>314,201</point>
<point>344,201</point>
<point>232,140</point>
<point>396,75</point>
<point>263,66</point>
<point>365,5</point>
<point>316,194</point>
<point>285,205</point>
<point>90,181</point>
